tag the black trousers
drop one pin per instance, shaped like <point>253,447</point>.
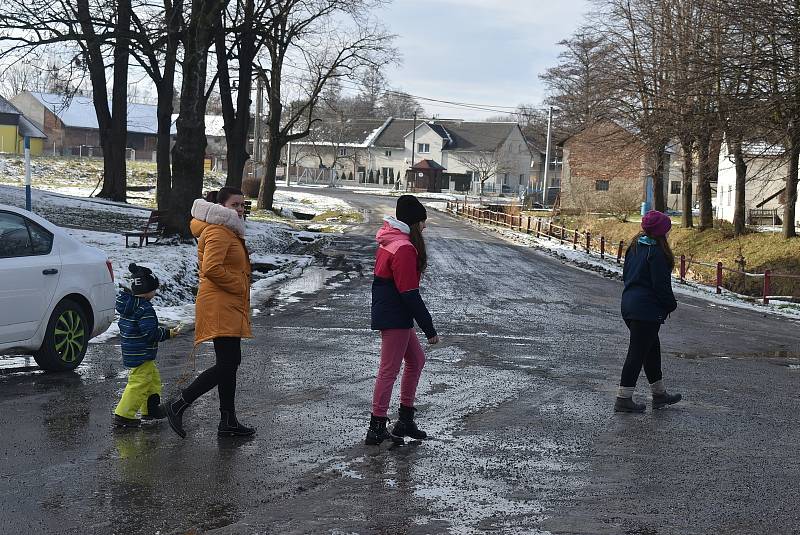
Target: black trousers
<point>222,374</point>
<point>644,350</point>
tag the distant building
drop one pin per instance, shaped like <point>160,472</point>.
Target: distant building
<point>765,185</point>
<point>14,127</point>
<point>458,153</point>
<point>70,124</point>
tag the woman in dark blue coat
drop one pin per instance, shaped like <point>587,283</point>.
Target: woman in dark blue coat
<point>647,300</point>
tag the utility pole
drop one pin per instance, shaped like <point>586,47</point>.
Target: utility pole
<point>413,149</point>
<point>547,156</point>
<point>27,142</point>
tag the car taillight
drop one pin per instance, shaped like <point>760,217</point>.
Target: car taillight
<point>110,269</point>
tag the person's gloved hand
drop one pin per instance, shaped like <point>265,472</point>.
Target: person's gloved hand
<point>175,331</point>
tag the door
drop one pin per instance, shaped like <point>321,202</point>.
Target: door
<point>29,273</point>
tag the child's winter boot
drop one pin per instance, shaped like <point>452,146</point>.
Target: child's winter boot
<point>377,431</point>
<point>229,426</point>
<point>628,405</point>
<point>155,410</point>
<point>174,411</point>
<point>121,421</point>
<point>406,427</point>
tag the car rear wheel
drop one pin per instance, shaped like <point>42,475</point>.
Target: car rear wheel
<point>66,339</point>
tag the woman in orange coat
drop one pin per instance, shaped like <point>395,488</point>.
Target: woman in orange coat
<point>222,309</point>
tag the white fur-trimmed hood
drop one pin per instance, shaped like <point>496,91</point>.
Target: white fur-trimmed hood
<point>216,214</point>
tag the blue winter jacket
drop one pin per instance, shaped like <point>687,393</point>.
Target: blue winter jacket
<point>648,283</point>
<point>138,329</point>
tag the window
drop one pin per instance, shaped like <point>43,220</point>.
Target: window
<point>505,178</point>
<point>387,175</point>
<point>522,180</point>
<point>675,187</point>
<point>342,152</point>
<point>423,148</point>
<point>387,153</point>
<point>19,237</point>
<point>601,185</point>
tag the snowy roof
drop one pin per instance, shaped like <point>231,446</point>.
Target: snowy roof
<point>763,149</point>
<point>78,112</point>
<point>7,107</point>
<point>28,129</point>
<point>215,125</point>
<point>348,133</point>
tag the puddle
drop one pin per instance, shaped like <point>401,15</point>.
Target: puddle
<point>312,281</point>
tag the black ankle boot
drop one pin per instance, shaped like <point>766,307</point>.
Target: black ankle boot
<point>377,431</point>
<point>628,405</point>
<point>174,411</point>
<point>662,400</point>
<point>155,410</point>
<point>405,426</point>
<point>229,426</point>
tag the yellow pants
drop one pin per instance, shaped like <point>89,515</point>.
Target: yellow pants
<point>143,381</point>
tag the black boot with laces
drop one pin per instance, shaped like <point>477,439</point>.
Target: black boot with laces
<point>377,432</point>
<point>406,427</point>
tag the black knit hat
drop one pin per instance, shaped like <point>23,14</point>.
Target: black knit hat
<point>143,280</point>
<point>410,210</point>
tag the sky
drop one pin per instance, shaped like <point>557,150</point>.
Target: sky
<point>487,52</point>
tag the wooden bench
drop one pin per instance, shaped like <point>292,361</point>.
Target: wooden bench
<point>152,230</point>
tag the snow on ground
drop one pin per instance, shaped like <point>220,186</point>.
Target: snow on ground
<point>382,191</point>
<point>608,266</point>
<point>309,203</point>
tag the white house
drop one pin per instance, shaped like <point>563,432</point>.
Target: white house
<point>381,152</point>
<point>767,169</point>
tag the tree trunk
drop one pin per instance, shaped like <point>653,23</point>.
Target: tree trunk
<point>275,142</point>
<point>237,120</point>
<point>687,147</point>
<point>189,151</point>
<point>707,160</point>
<point>789,230</point>
<point>659,200</point>
<point>113,133</point>
<point>739,220</point>
<point>166,95</point>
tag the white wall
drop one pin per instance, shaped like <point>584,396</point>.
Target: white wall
<point>765,177</point>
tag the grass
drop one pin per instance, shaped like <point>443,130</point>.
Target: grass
<point>339,216</point>
<point>760,250</point>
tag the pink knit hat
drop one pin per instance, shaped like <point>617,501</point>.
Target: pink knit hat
<point>655,224</point>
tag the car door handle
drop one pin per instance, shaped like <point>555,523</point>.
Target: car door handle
<point>49,272</point>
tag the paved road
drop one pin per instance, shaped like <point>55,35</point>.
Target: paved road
<point>518,397</point>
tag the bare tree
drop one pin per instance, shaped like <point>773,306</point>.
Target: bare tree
<point>325,52</point>
<point>98,33</point>
<point>484,165</point>
<point>188,153</point>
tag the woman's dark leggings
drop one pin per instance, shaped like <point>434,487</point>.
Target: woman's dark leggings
<point>644,350</point>
<point>222,374</point>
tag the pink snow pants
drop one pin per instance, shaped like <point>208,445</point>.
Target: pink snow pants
<point>397,345</point>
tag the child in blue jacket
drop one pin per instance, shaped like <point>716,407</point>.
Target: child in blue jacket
<point>647,300</point>
<point>140,334</point>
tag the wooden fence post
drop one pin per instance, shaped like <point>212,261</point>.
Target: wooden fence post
<point>602,247</point>
<point>767,275</point>
<point>683,268</point>
<point>528,229</point>
<point>719,277</point>
<point>619,251</point>
<point>588,241</point>
<point>575,239</point>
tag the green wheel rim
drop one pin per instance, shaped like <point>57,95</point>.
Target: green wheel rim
<point>69,336</point>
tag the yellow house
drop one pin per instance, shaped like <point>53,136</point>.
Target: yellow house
<point>14,127</point>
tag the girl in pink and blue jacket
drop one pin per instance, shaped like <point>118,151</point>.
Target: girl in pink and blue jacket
<point>396,303</point>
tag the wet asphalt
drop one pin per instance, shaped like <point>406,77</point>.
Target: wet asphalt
<point>518,399</point>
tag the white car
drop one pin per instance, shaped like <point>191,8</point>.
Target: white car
<point>56,293</point>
